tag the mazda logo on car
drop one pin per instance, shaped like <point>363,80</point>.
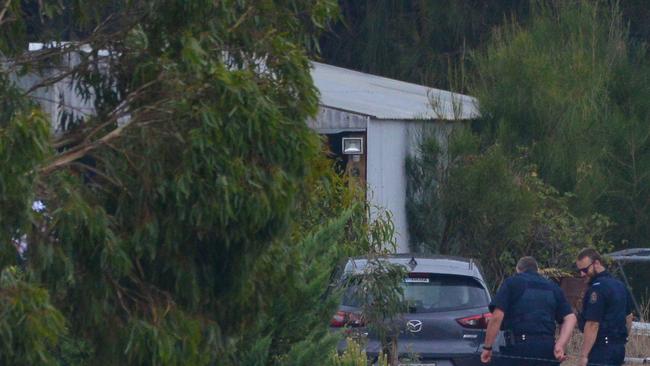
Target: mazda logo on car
<point>414,326</point>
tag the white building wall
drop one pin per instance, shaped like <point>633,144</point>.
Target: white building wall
<point>387,150</point>
<point>58,99</point>
<point>388,145</point>
<point>61,97</point>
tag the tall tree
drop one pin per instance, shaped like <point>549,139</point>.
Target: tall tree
<point>425,42</point>
<point>179,210</point>
<point>570,88</point>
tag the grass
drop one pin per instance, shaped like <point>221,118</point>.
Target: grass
<point>637,346</point>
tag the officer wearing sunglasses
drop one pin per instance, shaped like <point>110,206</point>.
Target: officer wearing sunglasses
<point>606,315</point>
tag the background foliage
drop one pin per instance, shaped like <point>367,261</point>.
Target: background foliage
<point>565,80</point>
<point>567,87</point>
<point>491,207</point>
<point>559,158</point>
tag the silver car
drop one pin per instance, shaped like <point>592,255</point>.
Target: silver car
<point>447,313</point>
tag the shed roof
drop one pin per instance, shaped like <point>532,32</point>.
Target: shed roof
<point>384,98</point>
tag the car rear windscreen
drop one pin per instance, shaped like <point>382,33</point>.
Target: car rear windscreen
<point>425,293</point>
<point>429,293</point>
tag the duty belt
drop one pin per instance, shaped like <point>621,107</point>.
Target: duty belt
<point>512,338</point>
<point>611,340</point>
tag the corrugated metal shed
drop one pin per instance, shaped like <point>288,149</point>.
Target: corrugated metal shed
<point>383,98</point>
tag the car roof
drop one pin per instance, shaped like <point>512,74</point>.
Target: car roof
<point>441,264</point>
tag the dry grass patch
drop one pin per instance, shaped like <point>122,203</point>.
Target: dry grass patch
<point>638,346</point>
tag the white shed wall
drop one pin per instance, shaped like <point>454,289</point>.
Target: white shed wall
<point>387,149</point>
<point>389,143</point>
<point>58,98</point>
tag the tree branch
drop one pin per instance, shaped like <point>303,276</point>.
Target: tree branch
<point>4,11</point>
<point>81,151</point>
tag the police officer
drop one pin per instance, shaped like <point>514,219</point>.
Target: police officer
<point>527,307</point>
<point>606,315</point>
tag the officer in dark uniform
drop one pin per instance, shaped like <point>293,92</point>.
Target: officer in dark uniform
<point>606,315</point>
<point>527,307</point>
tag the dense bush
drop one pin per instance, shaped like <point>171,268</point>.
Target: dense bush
<point>496,209</point>
<point>572,89</point>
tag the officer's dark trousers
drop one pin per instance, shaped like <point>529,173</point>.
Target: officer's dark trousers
<point>528,353</point>
<point>607,354</point>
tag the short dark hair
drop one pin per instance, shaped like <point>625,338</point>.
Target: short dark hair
<point>526,264</point>
<point>589,252</point>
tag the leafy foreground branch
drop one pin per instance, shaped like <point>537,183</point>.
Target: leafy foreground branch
<point>199,224</point>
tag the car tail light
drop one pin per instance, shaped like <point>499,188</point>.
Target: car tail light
<point>344,318</point>
<point>479,321</point>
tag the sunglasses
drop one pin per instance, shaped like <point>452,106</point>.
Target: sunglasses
<point>586,269</point>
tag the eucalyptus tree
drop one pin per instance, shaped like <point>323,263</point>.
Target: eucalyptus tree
<point>189,218</point>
